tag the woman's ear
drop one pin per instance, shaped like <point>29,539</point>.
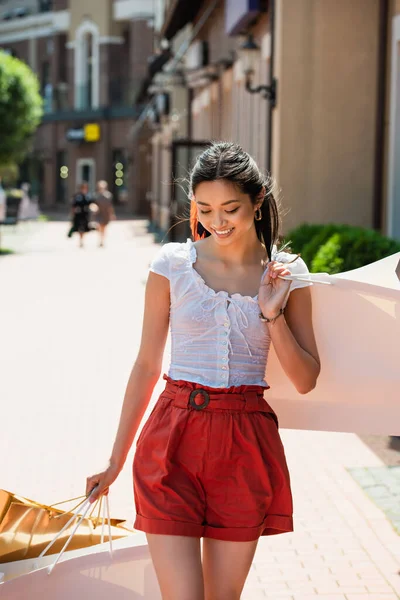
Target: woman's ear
<point>260,198</point>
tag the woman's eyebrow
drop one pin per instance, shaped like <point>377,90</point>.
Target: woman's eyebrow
<point>223,204</point>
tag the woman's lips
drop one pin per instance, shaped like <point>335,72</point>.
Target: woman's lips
<point>223,233</point>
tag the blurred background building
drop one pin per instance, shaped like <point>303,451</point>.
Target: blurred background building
<point>309,88</point>
<point>91,57</point>
<point>135,89</point>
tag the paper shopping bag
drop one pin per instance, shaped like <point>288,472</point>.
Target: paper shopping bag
<point>26,527</point>
<point>128,575</point>
<point>356,318</point>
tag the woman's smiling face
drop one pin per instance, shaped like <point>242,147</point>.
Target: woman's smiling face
<point>224,211</point>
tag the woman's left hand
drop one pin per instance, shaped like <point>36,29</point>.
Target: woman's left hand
<point>273,290</point>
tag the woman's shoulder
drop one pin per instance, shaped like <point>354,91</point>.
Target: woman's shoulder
<point>295,264</point>
<point>180,249</point>
<point>173,255</point>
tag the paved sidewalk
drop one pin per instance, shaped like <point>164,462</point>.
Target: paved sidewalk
<point>343,547</point>
<point>70,331</point>
<point>382,485</point>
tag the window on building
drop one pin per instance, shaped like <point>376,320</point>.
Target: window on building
<point>47,88</point>
<point>10,51</point>
<point>87,66</point>
<point>62,58</point>
<point>45,5</point>
<point>86,171</point>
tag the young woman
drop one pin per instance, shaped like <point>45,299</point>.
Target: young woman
<point>80,212</point>
<point>209,461</point>
<point>104,202</point>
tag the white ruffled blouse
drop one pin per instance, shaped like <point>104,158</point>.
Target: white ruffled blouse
<point>217,339</point>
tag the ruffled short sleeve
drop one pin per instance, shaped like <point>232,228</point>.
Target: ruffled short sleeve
<point>161,263</point>
<point>298,267</point>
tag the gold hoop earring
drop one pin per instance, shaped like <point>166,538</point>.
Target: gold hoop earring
<point>258,214</point>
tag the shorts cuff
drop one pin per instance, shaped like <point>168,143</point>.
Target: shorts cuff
<point>275,524</point>
<point>272,525</point>
<point>163,527</point>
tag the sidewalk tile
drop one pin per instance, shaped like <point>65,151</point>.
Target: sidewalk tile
<point>371,597</point>
<point>316,596</point>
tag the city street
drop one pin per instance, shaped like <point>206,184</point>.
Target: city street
<point>70,330</point>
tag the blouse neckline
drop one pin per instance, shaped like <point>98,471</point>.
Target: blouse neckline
<point>206,288</point>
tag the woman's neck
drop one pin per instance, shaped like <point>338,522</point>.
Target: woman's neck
<point>246,250</point>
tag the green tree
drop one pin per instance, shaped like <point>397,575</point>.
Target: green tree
<point>20,108</point>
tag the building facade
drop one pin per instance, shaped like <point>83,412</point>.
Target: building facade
<point>324,122</point>
<point>91,59</point>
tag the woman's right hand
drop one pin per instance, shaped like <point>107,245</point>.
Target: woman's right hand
<point>101,481</point>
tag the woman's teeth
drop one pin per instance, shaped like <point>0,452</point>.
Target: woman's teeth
<point>225,232</point>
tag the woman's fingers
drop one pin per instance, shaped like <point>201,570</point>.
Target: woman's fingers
<point>100,483</point>
<point>91,483</point>
<point>274,271</point>
<point>96,484</point>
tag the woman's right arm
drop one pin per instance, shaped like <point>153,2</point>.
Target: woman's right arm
<point>144,376</point>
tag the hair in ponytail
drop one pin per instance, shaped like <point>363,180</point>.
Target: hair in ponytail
<point>225,160</point>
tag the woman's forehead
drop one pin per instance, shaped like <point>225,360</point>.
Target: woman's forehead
<point>221,188</point>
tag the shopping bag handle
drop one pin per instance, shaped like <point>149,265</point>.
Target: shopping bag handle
<point>80,498</point>
<point>323,278</point>
<point>85,507</point>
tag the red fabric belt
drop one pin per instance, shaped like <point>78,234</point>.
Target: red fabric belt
<point>186,394</point>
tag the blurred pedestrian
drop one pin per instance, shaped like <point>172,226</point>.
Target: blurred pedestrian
<point>80,212</point>
<point>105,212</point>
<point>25,205</point>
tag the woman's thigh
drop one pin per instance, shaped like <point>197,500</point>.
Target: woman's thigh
<point>225,567</point>
<point>177,563</point>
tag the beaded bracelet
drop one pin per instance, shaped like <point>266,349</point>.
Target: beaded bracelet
<point>267,320</point>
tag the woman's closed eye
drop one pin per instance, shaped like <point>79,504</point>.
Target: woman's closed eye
<point>207,212</point>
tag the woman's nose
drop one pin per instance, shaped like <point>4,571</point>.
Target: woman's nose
<point>219,221</point>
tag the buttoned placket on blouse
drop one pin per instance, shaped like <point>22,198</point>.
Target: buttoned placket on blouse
<point>228,324</point>
<point>221,302</point>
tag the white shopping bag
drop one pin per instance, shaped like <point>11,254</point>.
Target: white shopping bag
<point>92,573</point>
<point>356,317</point>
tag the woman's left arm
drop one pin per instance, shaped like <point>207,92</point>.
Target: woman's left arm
<point>293,337</point>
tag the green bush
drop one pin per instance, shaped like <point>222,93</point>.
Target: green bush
<point>328,259</point>
<point>301,236</point>
<point>352,248</point>
<point>9,174</point>
<point>318,235</point>
<point>21,108</point>
<point>312,248</point>
<point>333,248</point>
<point>13,193</point>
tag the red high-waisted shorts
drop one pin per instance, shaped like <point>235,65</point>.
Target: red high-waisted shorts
<point>210,463</point>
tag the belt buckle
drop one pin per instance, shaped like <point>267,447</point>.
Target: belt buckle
<point>205,395</point>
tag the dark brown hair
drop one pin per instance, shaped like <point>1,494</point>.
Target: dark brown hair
<point>226,160</point>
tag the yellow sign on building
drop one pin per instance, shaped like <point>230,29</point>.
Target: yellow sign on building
<point>92,132</point>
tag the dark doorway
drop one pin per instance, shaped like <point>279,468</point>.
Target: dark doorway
<point>184,154</point>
